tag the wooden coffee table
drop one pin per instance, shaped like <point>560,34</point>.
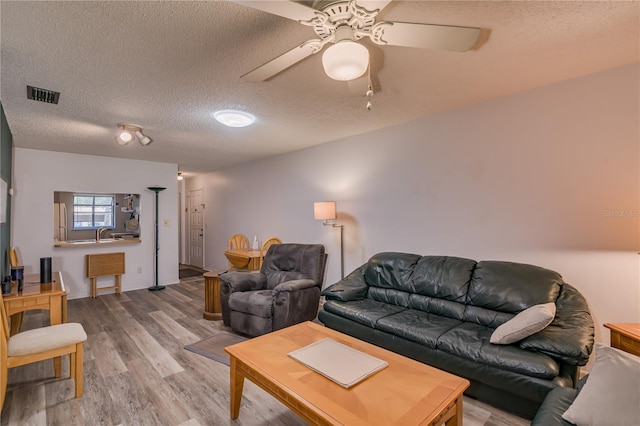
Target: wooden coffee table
<point>406,392</point>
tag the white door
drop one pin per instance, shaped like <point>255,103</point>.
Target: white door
<point>180,229</point>
<point>196,228</point>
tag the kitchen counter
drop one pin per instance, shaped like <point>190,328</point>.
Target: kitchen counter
<point>93,243</point>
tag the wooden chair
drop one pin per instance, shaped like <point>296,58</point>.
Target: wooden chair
<point>238,242</point>
<point>40,344</point>
<point>235,243</point>
<point>14,260</point>
<point>265,246</point>
<point>13,257</point>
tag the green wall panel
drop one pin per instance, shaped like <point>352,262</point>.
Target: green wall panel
<point>6,150</point>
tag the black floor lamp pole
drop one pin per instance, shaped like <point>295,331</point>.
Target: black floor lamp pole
<point>156,287</point>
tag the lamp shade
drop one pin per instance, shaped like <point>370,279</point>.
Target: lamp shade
<point>144,140</point>
<point>345,60</point>
<point>124,137</point>
<point>324,210</point>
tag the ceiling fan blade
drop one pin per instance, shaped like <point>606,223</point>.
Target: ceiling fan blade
<point>284,61</point>
<point>286,9</point>
<point>372,5</point>
<point>426,36</point>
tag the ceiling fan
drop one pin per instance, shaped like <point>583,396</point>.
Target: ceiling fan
<point>343,23</point>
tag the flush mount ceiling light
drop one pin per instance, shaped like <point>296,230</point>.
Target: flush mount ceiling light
<point>346,60</point>
<point>130,132</point>
<point>233,118</point>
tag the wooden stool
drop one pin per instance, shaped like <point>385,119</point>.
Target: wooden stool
<point>212,306</point>
<point>99,265</point>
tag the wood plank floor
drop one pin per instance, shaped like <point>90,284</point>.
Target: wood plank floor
<point>137,372</point>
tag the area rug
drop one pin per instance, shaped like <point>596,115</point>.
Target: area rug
<point>213,347</point>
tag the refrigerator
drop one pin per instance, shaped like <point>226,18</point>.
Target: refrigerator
<point>60,221</point>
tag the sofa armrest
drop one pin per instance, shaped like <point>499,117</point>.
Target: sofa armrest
<point>353,287</point>
<point>294,302</point>
<point>294,285</point>
<point>232,282</point>
<point>570,337</point>
<point>242,281</point>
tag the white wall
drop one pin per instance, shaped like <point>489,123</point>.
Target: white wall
<point>37,174</point>
<point>548,177</point>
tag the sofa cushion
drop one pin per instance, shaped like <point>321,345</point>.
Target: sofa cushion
<point>275,278</point>
<point>611,396</point>
<point>436,306</point>
<point>390,270</point>
<point>512,287</point>
<point>285,262</point>
<point>389,295</point>
<point>365,311</point>
<point>443,277</point>
<point>471,341</point>
<point>487,317</point>
<point>526,323</point>
<point>417,326</point>
<point>259,302</point>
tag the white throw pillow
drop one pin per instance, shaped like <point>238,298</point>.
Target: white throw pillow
<point>526,323</point>
<point>611,395</point>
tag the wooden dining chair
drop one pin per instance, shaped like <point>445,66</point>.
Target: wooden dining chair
<point>238,242</point>
<point>265,246</point>
<point>16,319</point>
<point>13,257</point>
<point>40,344</point>
<point>235,243</point>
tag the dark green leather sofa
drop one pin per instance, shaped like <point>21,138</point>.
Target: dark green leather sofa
<point>555,404</point>
<point>442,311</point>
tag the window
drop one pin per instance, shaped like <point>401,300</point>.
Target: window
<point>92,211</point>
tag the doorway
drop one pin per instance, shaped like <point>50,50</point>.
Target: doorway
<point>196,228</point>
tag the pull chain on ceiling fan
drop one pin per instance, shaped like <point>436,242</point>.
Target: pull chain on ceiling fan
<point>343,23</point>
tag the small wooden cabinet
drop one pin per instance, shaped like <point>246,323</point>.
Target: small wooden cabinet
<point>212,305</point>
<point>99,265</point>
<point>625,337</point>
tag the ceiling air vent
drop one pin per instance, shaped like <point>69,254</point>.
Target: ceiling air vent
<point>42,95</point>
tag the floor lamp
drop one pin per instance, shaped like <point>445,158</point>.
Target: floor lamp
<point>326,212</point>
<point>156,287</point>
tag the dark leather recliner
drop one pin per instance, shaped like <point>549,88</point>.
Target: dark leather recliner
<point>285,292</point>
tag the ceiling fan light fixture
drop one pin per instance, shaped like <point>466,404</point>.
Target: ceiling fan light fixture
<point>345,60</point>
<point>233,118</point>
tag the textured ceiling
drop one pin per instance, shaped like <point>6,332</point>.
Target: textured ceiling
<point>167,66</point>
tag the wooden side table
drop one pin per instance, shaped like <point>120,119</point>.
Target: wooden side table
<point>625,336</point>
<point>212,306</point>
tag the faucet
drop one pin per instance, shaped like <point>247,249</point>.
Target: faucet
<point>98,232</point>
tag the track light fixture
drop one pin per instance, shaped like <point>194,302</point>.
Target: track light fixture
<point>130,132</point>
